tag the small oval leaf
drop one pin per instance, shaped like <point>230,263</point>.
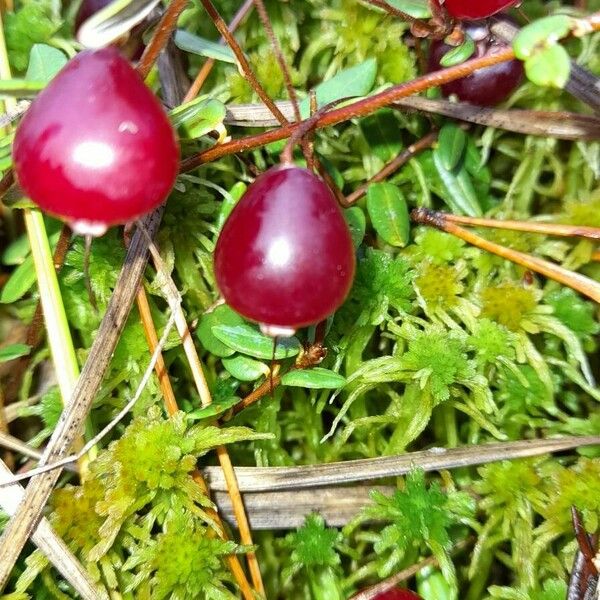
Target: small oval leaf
<point>316,378</point>
<point>451,145</point>
<point>460,194</point>
<point>198,117</point>
<point>188,42</point>
<point>244,368</point>
<point>458,55</point>
<point>249,340</point>
<point>19,283</point>
<point>44,63</point>
<point>389,213</point>
<point>213,410</point>
<point>541,34</point>
<point>222,315</point>
<point>549,67</point>
<point>357,223</point>
<point>14,351</point>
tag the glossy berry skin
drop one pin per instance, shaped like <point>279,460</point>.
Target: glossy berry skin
<point>95,147</point>
<point>484,87</point>
<point>285,257</point>
<point>397,594</point>
<point>476,9</point>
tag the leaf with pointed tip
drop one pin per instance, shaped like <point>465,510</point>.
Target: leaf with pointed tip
<point>316,378</point>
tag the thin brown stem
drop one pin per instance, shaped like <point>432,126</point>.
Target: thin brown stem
<point>582,284</point>
<point>161,36</point>
<point>557,229</point>
<point>171,408</point>
<point>206,400</point>
<point>287,77</point>
<point>396,163</point>
<point>422,26</point>
<point>242,61</point>
<point>210,63</point>
<point>360,108</point>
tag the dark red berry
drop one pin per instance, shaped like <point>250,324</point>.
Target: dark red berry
<point>285,257</point>
<point>397,594</point>
<point>484,87</point>
<point>96,147</point>
<point>476,9</point>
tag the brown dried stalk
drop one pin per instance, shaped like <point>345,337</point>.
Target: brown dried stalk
<point>581,283</point>
<point>269,479</point>
<point>357,109</point>
<point>396,163</point>
<point>241,58</point>
<point>556,229</point>
<point>210,63</point>
<point>173,297</point>
<point>172,407</point>
<point>162,33</point>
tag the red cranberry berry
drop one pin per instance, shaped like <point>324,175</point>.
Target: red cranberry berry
<point>397,594</point>
<point>484,87</point>
<point>284,257</point>
<point>95,147</point>
<point>476,9</point>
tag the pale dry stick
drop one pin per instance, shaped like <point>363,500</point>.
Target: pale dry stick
<point>69,426</point>
<point>586,286</point>
<point>269,479</point>
<point>170,290</point>
<point>558,124</point>
<point>172,407</point>
<point>556,229</point>
<point>241,58</point>
<point>46,539</point>
<point>207,67</point>
<point>59,464</point>
<point>16,445</point>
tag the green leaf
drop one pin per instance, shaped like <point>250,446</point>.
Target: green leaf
<point>229,202</point>
<point>248,340</point>
<point>189,42</point>
<point>460,194</point>
<point>357,223</point>
<point>19,283</point>
<point>348,83</point>
<point>20,88</point>
<point>316,378</point>
<point>389,213</point>
<point>244,368</point>
<point>34,23</point>
<point>113,21</point>
<point>198,117</point>
<point>214,410</point>
<point>549,67</point>
<point>458,55</point>
<point>14,351</point>
<point>222,315</point>
<point>44,63</point>
<point>540,34</point>
<point>451,145</point>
